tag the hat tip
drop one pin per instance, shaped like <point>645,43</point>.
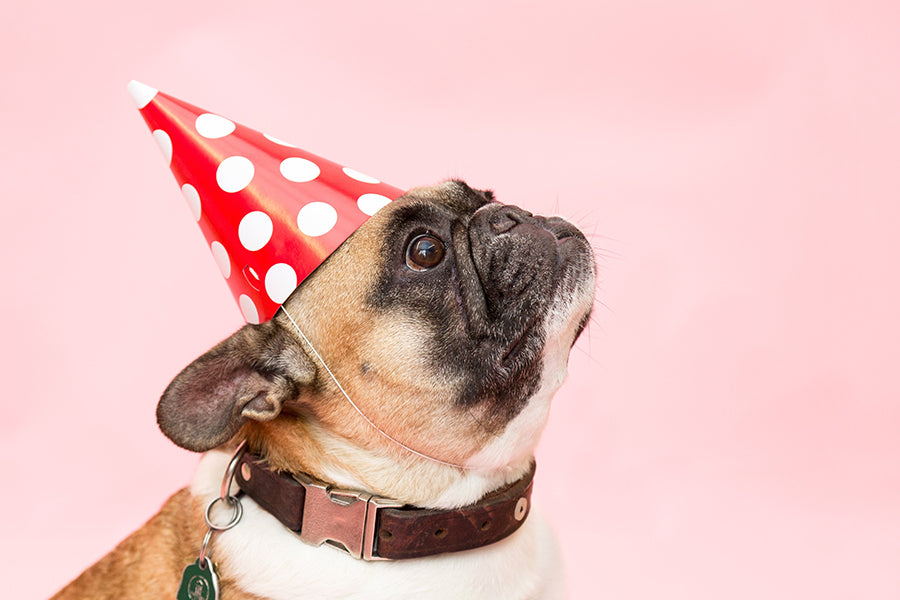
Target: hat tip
<point>141,93</point>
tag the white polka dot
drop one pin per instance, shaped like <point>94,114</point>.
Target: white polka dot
<point>316,218</point>
<point>234,173</point>
<point>213,126</point>
<point>221,255</point>
<point>277,141</point>
<point>255,230</point>
<point>248,309</point>
<point>353,174</point>
<point>193,199</point>
<point>280,282</point>
<point>165,144</point>
<point>372,203</point>
<point>299,169</point>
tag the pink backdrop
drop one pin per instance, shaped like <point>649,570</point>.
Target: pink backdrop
<point>730,425</point>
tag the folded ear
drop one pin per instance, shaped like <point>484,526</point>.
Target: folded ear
<point>250,375</point>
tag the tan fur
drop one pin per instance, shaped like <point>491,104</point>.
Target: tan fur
<point>401,392</point>
<point>148,564</point>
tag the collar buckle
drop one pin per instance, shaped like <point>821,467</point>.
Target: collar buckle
<point>344,519</point>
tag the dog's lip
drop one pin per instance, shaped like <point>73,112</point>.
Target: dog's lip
<point>513,350</point>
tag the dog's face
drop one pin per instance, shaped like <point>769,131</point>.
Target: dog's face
<point>447,318</point>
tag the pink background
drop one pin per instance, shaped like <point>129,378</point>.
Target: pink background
<point>730,425</point>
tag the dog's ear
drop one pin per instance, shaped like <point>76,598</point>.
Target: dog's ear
<point>250,375</point>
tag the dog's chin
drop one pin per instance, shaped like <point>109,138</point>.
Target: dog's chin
<point>513,446</point>
<point>534,364</point>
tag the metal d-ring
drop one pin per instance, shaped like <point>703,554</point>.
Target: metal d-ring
<point>225,493</point>
<point>235,516</point>
<point>201,562</point>
<point>224,496</point>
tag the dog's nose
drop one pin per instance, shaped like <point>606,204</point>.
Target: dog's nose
<point>508,217</point>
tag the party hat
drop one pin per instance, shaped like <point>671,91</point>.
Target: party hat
<point>271,212</point>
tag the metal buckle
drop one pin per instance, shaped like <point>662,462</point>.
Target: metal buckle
<point>344,519</point>
<point>375,504</point>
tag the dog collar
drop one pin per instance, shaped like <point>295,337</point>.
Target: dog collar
<point>375,528</point>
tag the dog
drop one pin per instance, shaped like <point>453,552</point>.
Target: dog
<point>406,381</point>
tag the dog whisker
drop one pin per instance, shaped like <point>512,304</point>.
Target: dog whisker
<point>598,301</point>
<point>588,354</point>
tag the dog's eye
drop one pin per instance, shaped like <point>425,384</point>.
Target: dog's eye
<point>424,252</point>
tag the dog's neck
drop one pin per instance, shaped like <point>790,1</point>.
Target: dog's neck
<point>296,445</point>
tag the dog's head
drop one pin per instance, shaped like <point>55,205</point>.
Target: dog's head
<point>447,318</point>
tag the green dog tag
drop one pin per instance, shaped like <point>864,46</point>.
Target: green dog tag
<point>199,583</point>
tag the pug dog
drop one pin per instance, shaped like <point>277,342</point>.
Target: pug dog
<point>387,418</point>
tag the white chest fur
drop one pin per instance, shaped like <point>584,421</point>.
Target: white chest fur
<point>269,561</point>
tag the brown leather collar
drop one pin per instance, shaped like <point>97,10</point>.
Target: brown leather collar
<point>374,528</point>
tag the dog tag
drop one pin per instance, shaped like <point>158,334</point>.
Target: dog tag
<point>199,583</point>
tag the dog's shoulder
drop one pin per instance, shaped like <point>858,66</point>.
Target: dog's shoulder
<point>149,560</point>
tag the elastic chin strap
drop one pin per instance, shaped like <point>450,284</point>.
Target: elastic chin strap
<point>357,409</point>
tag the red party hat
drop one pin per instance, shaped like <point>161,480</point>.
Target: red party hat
<point>271,213</point>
